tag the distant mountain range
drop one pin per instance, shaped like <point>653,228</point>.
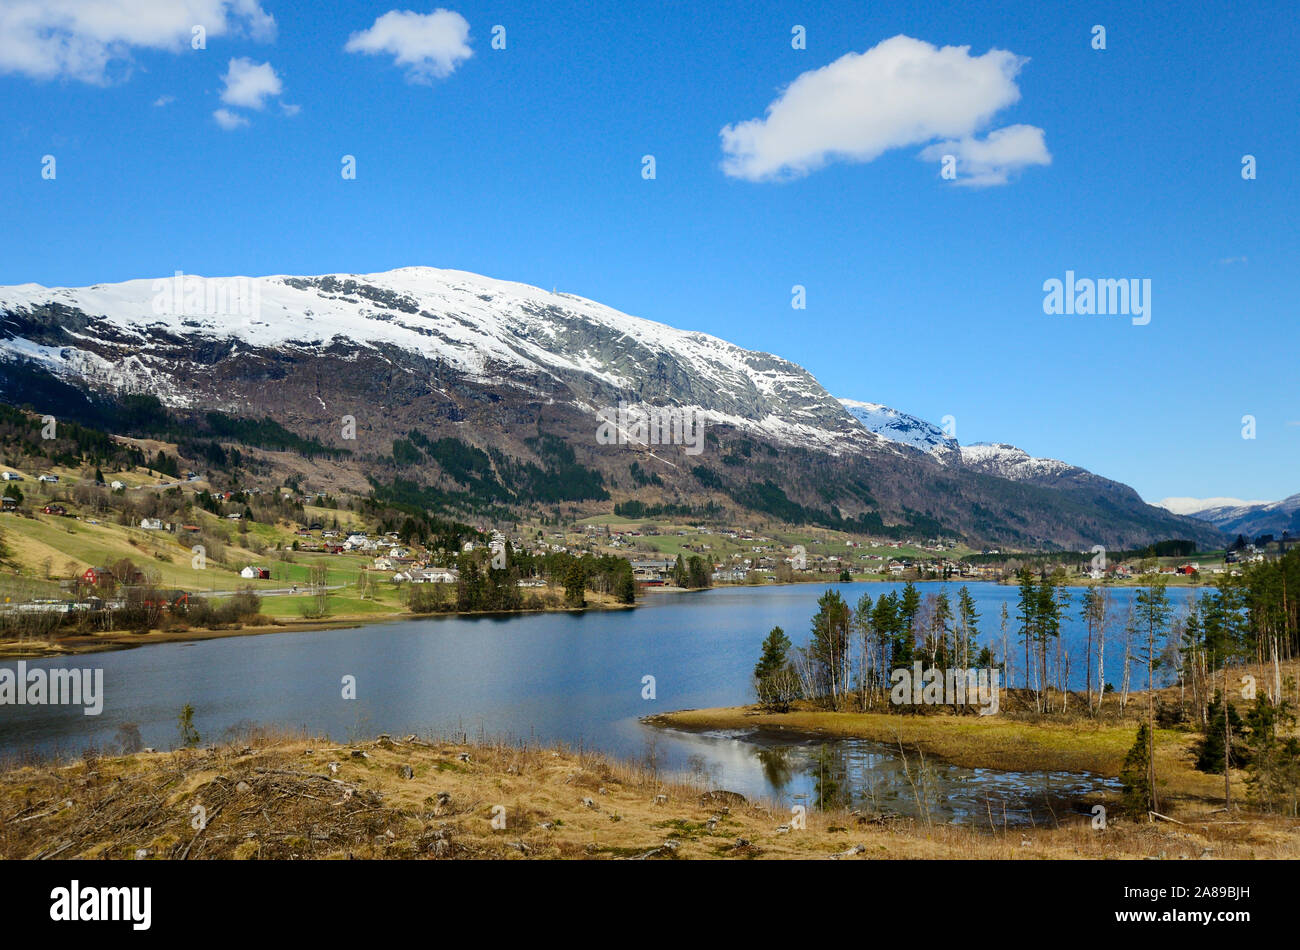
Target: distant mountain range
<point>515,376</point>
<point>1234,516</point>
<point>993,458</point>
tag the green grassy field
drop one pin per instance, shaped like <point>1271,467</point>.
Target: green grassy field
<point>343,603</point>
<point>51,545</point>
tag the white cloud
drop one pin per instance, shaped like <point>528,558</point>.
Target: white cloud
<point>164,100</point>
<point>993,159</point>
<point>900,93</point>
<point>249,84</point>
<point>260,24</point>
<point>86,40</point>
<point>229,120</point>
<point>430,45</point>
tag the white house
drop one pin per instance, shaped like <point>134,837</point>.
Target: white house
<point>383,564</point>
<point>151,524</point>
<point>11,477</point>
<point>359,542</point>
<point>51,479</point>
<point>116,485</point>
<point>435,575</point>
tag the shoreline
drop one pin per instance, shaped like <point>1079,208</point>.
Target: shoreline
<point>1076,744</point>
<point>958,581</point>
<point>438,798</point>
<point>79,644</point>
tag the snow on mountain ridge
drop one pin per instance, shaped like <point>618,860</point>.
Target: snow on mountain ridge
<point>997,458</point>
<point>902,428</point>
<point>1251,518</point>
<point>1192,506</point>
<point>490,330</point>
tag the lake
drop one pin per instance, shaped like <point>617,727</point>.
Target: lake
<point>577,678</point>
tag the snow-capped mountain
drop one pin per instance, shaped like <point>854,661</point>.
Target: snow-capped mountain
<point>518,374</point>
<point>992,458</point>
<point>1007,461</point>
<point>1234,516</point>
<point>902,428</point>
<point>141,335</point>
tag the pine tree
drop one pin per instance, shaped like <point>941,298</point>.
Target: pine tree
<point>625,585</point>
<point>909,605</point>
<point>773,678</point>
<point>1136,774</point>
<point>1047,615</point>
<point>941,653</point>
<point>967,625</point>
<point>1027,614</point>
<point>868,675</point>
<point>678,575</point>
<point>828,650</point>
<point>894,652</point>
<point>1209,751</point>
<point>1273,766</point>
<point>1092,611</point>
<point>574,585</point>
<point>1153,610</point>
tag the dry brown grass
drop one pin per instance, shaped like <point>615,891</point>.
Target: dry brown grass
<point>290,797</point>
<point>995,742</point>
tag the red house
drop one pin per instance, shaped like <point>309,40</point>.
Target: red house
<point>94,576</point>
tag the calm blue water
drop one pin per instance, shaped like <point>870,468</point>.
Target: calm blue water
<point>575,678</point>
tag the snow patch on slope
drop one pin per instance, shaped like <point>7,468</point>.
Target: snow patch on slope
<point>1008,461</point>
<point>900,427</point>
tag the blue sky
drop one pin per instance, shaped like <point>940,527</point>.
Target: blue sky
<point>525,164</point>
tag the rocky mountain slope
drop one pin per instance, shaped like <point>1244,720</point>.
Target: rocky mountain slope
<point>1008,461</point>
<point>150,336</point>
<point>1005,462</point>
<point>501,383</point>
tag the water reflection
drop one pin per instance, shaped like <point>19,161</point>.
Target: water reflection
<point>884,783</point>
<point>778,768</point>
<point>556,677</point>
